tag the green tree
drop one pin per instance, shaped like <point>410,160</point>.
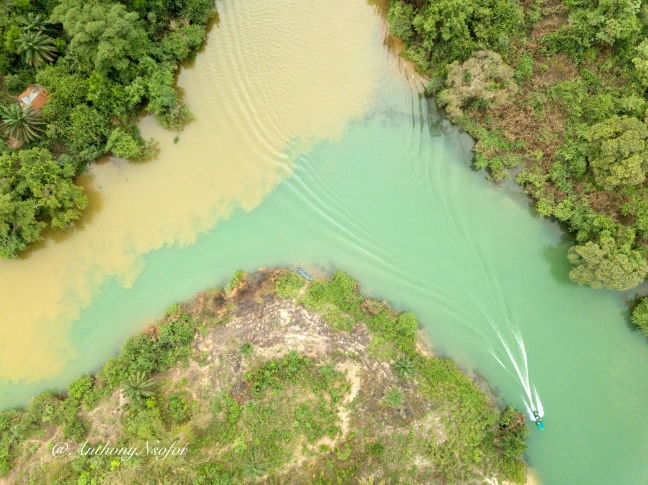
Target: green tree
<point>108,97</point>
<point>443,31</point>
<point>394,397</point>
<point>33,22</point>
<point>606,265</point>
<point>86,132</point>
<point>404,366</point>
<point>137,388</point>
<point>604,21</point>
<point>23,125</point>
<point>122,144</point>
<point>618,154</point>
<point>485,76</point>
<point>170,111</point>
<point>640,61</point>
<point>34,188</point>
<point>36,48</point>
<point>105,37</point>
<point>11,36</point>
<point>640,315</point>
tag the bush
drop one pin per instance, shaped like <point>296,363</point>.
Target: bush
<point>288,285</point>
<point>142,353</point>
<point>375,449</point>
<point>394,397</point>
<point>485,77</point>
<point>235,280</point>
<point>404,366</point>
<point>178,408</point>
<point>76,429</point>
<point>640,315</point>
<point>84,390</point>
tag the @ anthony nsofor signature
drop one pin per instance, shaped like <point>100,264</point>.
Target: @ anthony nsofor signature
<point>150,448</point>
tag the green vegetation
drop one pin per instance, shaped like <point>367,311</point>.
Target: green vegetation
<point>288,285</point>
<point>404,366</point>
<point>559,90</point>
<point>277,415</point>
<point>236,279</point>
<point>102,62</point>
<point>23,125</point>
<point>394,397</point>
<point>137,388</point>
<point>34,187</point>
<point>640,315</point>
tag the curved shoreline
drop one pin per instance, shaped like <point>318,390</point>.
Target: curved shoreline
<point>323,325</point>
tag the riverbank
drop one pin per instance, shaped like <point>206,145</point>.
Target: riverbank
<point>270,379</point>
<point>551,98</point>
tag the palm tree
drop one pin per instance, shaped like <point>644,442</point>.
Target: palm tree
<point>404,366</point>
<point>23,125</point>
<point>254,467</point>
<point>394,397</point>
<point>33,23</point>
<point>138,387</point>
<point>36,48</point>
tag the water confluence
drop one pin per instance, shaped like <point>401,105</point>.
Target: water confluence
<point>312,145</point>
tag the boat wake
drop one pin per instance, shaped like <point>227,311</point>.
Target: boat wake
<point>511,340</point>
<point>517,356</point>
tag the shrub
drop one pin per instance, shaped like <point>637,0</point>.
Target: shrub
<point>246,348</point>
<point>404,366</point>
<point>84,390</point>
<point>375,449</point>
<point>288,285</point>
<point>178,408</point>
<point>640,315</point>
<point>76,429</point>
<point>402,331</point>
<point>394,397</point>
<point>484,77</point>
<point>235,280</point>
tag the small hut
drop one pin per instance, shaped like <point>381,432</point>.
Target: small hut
<point>34,96</point>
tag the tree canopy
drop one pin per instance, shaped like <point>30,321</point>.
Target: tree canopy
<point>101,62</point>
<point>485,77</point>
<point>104,36</point>
<point>569,111</point>
<point>618,151</point>
<point>605,265</point>
<point>35,188</point>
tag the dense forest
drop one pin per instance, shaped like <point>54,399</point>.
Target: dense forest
<point>100,63</point>
<point>554,92</point>
<point>366,405</point>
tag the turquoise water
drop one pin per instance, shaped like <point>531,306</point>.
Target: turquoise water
<point>395,203</point>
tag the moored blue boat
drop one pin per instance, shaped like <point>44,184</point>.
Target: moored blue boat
<point>303,273</point>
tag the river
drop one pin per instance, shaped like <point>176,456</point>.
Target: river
<point>312,145</point>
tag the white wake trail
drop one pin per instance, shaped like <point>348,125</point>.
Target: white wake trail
<point>492,352</point>
<point>517,356</point>
<point>538,403</point>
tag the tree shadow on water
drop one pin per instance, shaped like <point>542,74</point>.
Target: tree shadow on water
<point>556,257</point>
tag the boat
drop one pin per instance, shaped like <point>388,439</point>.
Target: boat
<point>303,273</point>
<point>538,419</point>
